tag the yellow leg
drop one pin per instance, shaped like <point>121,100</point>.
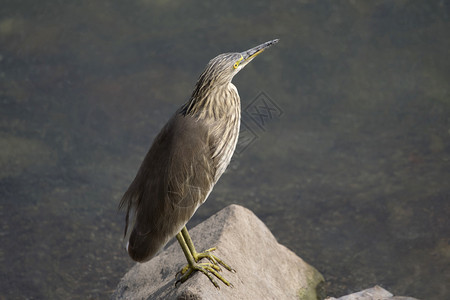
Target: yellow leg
<point>193,265</point>
<point>207,254</point>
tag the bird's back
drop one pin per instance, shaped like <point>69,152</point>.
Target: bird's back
<point>174,179</point>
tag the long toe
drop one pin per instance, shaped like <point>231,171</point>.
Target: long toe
<point>213,259</point>
<point>209,269</point>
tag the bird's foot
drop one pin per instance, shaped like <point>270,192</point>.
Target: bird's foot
<point>209,269</point>
<point>213,259</point>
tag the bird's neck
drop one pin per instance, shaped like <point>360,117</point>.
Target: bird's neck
<point>217,102</point>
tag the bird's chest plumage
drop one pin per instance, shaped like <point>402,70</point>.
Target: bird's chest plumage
<point>224,124</point>
<point>227,141</point>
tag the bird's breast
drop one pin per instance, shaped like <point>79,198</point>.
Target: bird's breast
<point>226,130</point>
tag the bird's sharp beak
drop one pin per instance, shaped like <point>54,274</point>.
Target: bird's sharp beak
<point>253,52</point>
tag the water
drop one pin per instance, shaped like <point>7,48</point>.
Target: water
<point>351,172</point>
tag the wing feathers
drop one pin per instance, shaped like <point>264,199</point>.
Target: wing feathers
<point>175,177</point>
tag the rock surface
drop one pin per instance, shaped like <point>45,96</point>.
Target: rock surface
<point>375,293</point>
<point>264,268</point>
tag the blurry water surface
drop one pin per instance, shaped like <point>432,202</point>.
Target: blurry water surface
<point>352,172</point>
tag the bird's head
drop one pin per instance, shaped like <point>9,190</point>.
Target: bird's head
<point>222,68</point>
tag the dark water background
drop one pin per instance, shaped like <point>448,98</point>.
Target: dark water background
<point>353,176</point>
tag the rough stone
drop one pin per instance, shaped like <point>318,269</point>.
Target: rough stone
<point>264,268</point>
<point>374,293</point>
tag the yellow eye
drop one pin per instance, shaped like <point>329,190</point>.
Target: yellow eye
<point>236,64</point>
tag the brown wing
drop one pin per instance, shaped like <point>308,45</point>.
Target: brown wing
<point>175,177</point>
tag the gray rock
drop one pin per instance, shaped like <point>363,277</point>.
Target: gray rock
<point>264,268</point>
<point>375,293</point>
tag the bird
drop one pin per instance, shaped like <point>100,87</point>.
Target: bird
<point>183,164</point>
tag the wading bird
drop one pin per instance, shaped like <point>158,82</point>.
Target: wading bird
<point>184,163</point>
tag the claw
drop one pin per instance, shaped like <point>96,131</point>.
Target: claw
<point>210,268</point>
<point>182,271</point>
<point>205,268</point>
<point>213,259</point>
